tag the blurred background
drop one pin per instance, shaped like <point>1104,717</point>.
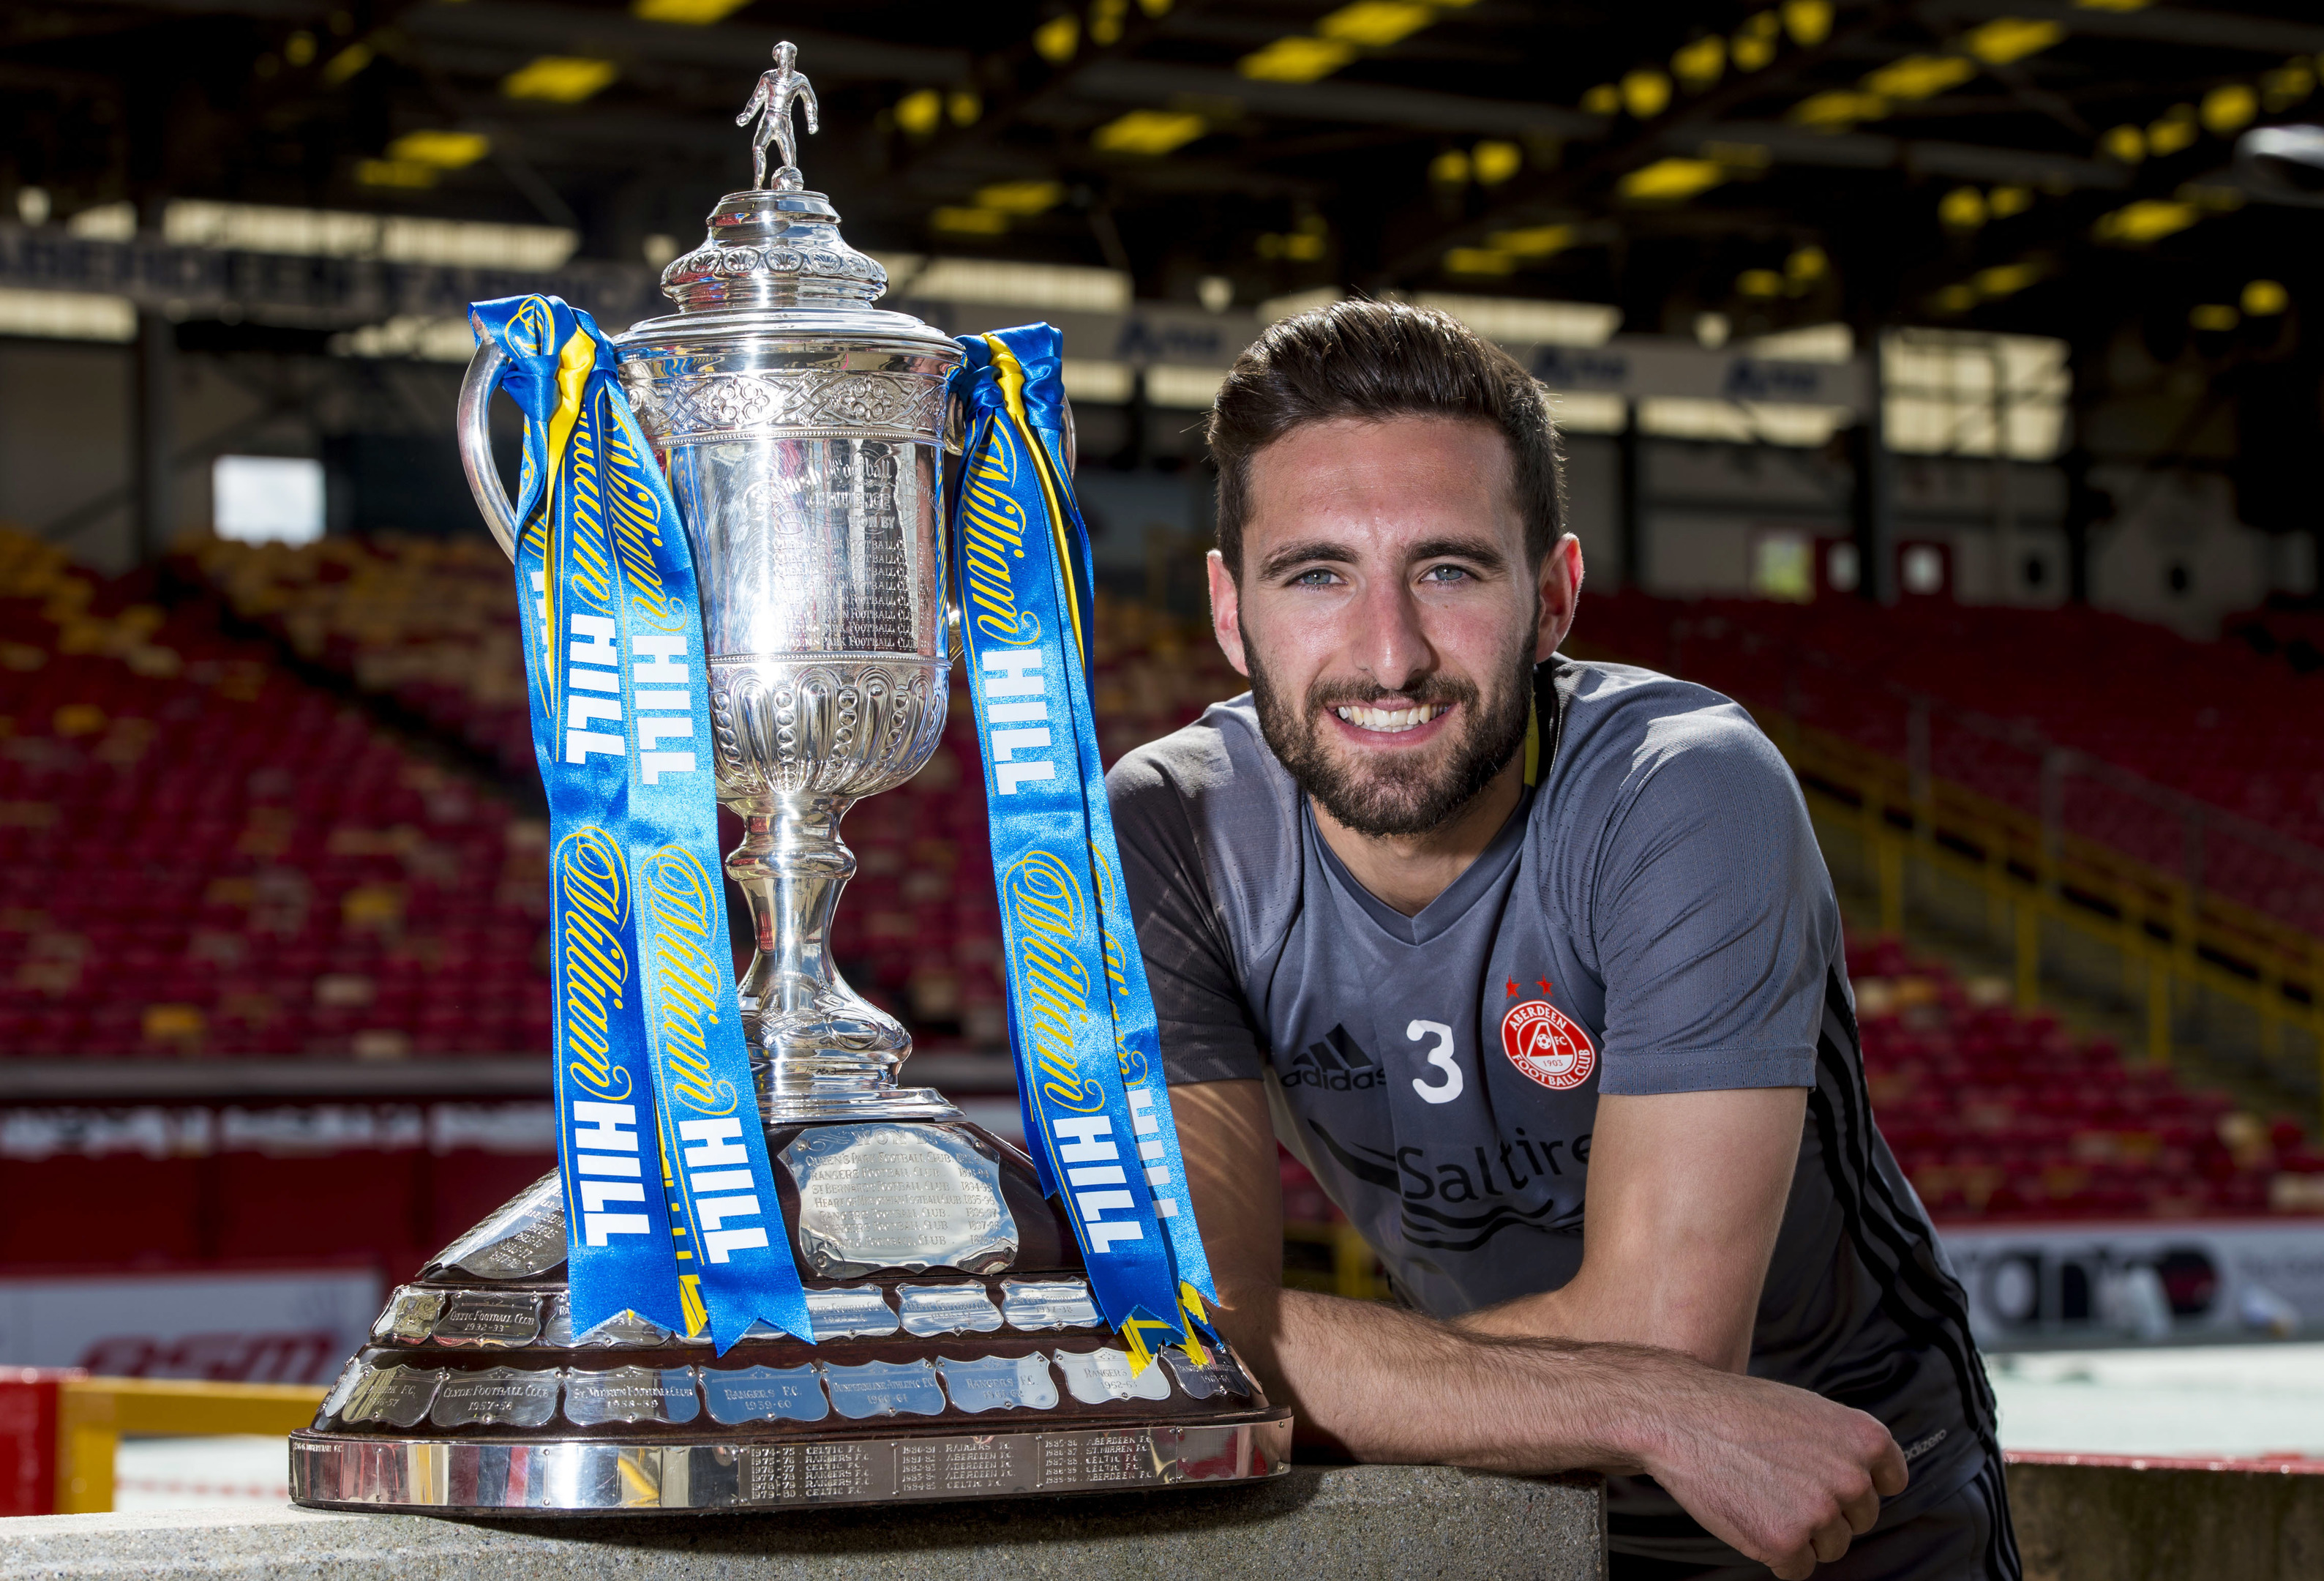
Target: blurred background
<point>1936,380</point>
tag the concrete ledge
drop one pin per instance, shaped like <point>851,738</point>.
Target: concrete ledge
<point>2096,1518</point>
<point>1351,1523</point>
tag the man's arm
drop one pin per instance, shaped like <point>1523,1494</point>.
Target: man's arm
<point>1781,1474</point>
<point>1686,1193</point>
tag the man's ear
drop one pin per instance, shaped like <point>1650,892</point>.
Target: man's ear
<point>1560,588</point>
<point>1226,612</point>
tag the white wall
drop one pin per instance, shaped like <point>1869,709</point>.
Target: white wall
<point>2186,520</point>
<point>65,441</point>
<point>1593,507</point>
<point>1692,554</point>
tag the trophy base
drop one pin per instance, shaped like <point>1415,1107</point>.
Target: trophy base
<point>960,1353</point>
<point>587,1476</point>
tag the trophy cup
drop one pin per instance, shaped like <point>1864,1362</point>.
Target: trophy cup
<point>960,1353</point>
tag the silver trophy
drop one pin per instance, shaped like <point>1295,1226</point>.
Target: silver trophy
<point>961,1354</point>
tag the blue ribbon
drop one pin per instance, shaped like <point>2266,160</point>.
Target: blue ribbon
<point>670,1207</point>
<point>1081,1019</point>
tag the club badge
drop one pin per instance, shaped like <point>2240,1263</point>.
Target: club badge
<point>1545,1045</point>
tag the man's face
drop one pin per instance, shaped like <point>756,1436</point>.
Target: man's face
<point>1386,615</point>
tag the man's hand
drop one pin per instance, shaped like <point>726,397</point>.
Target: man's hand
<point>1785,1477</point>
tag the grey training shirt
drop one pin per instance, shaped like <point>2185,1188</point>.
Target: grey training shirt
<point>1654,917</point>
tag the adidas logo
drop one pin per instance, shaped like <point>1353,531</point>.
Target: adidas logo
<point>1334,1062</point>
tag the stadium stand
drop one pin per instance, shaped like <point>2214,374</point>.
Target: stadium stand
<point>209,854</point>
<point>429,623</point>
<point>1996,691</point>
<point>202,855</point>
<point>1999,1114</point>
<point>2287,629</point>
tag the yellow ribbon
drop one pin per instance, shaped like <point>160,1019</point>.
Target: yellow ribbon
<point>576,360</point>
<point>1012,375</point>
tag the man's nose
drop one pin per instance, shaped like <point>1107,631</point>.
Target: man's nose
<point>1389,642</point>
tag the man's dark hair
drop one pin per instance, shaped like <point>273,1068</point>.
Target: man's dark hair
<point>1375,360</point>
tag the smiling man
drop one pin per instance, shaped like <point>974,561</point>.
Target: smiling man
<point>1535,964</point>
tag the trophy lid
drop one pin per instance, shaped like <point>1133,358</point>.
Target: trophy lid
<point>773,249</point>
<point>772,262</point>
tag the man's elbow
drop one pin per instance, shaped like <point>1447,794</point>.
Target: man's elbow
<point>1714,1342</point>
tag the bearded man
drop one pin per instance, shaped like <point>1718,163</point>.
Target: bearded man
<point>1470,926</point>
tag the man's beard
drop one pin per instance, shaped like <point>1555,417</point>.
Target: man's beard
<point>1410,794</point>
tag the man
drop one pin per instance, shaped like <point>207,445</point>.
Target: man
<point>1468,925</point>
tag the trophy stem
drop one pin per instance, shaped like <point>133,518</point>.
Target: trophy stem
<point>818,1051</point>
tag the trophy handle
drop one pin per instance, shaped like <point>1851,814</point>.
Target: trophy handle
<point>955,434</point>
<point>475,430</point>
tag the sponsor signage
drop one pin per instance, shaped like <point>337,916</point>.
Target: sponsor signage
<point>273,1326</point>
<point>283,1129</point>
<point>1638,366</point>
<point>2040,1283</point>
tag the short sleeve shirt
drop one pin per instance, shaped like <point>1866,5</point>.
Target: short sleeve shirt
<point>1656,917</point>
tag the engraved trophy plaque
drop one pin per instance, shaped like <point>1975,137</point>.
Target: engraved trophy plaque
<point>960,1353</point>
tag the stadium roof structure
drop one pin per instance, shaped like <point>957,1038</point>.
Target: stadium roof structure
<point>2025,164</point>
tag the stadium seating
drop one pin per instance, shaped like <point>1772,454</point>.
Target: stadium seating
<point>1998,1114</point>
<point>201,855</point>
<point>2201,721</point>
<point>429,623</point>
<point>2288,630</point>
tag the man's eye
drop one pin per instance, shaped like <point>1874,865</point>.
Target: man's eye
<point>1318,578</point>
<point>1445,573</point>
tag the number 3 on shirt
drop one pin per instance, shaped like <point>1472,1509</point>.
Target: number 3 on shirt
<point>1441,1057</point>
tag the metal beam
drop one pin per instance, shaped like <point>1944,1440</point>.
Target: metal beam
<point>1560,192</point>
<point>1017,84</point>
<point>1873,150</point>
<point>1873,502</point>
<point>594,139</point>
<point>324,293</point>
<point>153,429</point>
<point>544,28</point>
<point>271,10</point>
<point>1154,82</point>
<point>2207,30</point>
<point>1971,161</point>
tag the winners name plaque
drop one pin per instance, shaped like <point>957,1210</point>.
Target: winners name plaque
<point>958,1351</point>
<point>902,1197</point>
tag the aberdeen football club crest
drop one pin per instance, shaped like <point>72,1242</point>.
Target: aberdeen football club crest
<point>1547,1046</point>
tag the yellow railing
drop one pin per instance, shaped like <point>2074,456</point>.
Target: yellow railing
<point>93,1414</point>
<point>2170,934</point>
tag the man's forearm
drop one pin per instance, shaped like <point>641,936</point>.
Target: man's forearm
<point>1385,1385</point>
